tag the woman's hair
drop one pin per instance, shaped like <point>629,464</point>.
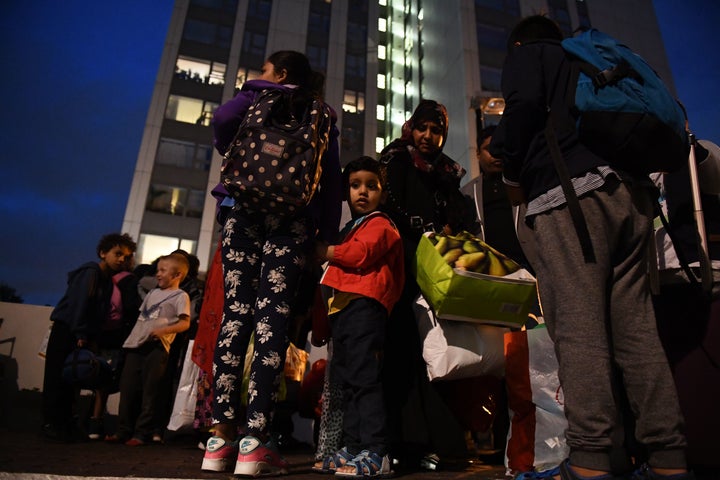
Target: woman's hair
<point>298,71</point>
<point>533,28</point>
<point>310,84</point>
<point>365,163</point>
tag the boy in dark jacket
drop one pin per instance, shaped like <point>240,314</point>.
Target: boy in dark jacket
<point>77,322</point>
<point>366,274</point>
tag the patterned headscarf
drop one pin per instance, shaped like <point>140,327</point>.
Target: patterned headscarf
<point>427,110</point>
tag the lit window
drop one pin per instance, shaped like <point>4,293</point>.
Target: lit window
<point>166,199</point>
<point>381,81</point>
<point>353,102</point>
<point>173,200</point>
<point>190,110</point>
<point>382,25</point>
<point>150,247</point>
<point>382,3</point>
<point>379,144</point>
<point>244,75</point>
<point>380,112</point>
<point>381,52</point>
<point>199,70</point>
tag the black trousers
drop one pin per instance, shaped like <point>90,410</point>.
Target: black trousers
<point>358,333</point>
<point>58,396</point>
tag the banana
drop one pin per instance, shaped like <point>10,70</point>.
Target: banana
<point>470,261</point>
<point>454,242</point>
<point>442,245</point>
<point>452,255</point>
<point>471,246</point>
<point>482,266</point>
<point>495,266</point>
<point>510,265</point>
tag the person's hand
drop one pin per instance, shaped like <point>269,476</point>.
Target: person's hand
<point>321,250</point>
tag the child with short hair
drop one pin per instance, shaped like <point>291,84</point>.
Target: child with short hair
<point>366,274</point>
<point>165,311</point>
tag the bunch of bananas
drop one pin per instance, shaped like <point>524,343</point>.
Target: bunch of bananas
<point>466,252</point>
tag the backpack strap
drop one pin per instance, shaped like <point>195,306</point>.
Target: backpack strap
<point>576,213</point>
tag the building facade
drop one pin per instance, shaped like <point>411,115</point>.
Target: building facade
<point>379,57</point>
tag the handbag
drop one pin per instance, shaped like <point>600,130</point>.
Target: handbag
<point>454,349</point>
<point>83,369</point>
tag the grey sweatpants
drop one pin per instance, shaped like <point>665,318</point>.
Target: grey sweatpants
<point>601,313</point>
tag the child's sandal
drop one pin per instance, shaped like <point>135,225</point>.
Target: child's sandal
<point>331,463</point>
<point>367,465</point>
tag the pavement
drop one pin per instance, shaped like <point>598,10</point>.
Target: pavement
<point>26,455</point>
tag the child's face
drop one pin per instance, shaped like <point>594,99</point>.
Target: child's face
<point>115,258</point>
<point>365,192</point>
<point>166,274</point>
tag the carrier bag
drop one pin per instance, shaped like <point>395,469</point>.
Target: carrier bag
<point>454,350</point>
<point>464,293</point>
<point>183,412</point>
<point>625,113</point>
<point>536,438</point>
<point>273,164</point>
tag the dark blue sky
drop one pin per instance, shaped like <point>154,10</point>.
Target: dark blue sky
<point>77,77</point>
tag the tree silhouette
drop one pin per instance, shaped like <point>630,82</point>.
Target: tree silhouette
<point>9,294</point>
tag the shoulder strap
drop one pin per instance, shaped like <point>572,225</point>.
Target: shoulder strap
<point>576,213</point>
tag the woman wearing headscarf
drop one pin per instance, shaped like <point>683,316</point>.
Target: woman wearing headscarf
<point>423,186</point>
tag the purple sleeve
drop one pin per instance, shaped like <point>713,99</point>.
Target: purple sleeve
<point>227,118</point>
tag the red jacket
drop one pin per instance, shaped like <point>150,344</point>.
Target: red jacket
<point>369,261</point>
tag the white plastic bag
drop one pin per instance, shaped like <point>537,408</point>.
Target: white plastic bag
<point>454,349</point>
<point>536,438</point>
<point>183,413</point>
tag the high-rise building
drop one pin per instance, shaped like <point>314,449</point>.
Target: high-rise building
<point>379,58</point>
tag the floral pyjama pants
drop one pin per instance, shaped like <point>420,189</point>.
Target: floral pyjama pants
<point>263,259</point>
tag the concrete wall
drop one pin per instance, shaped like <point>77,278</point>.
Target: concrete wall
<point>23,330</point>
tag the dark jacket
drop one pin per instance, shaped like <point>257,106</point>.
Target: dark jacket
<point>417,198</point>
<point>86,302</point>
<point>536,76</point>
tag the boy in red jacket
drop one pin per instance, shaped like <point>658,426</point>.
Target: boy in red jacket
<point>366,275</point>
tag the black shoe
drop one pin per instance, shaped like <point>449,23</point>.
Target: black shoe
<point>55,434</point>
<point>95,429</point>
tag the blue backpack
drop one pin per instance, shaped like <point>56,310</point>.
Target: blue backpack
<point>625,113</point>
